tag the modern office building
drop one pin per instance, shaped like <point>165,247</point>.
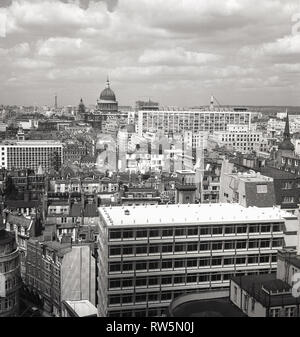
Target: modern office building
<point>31,154</point>
<point>243,141</point>
<point>177,121</point>
<point>149,255</point>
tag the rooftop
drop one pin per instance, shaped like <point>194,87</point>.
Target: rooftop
<point>82,308</point>
<point>251,177</point>
<point>38,142</point>
<point>277,173</point>
<point>187,214</point>
<point>267,290</point>
<point>219,307</point>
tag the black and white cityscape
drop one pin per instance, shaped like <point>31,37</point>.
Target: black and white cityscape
<point>149,158</point>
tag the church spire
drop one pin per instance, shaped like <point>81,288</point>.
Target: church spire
<point>286,133</point>
<point>107,82</point>
<point>286,144</point>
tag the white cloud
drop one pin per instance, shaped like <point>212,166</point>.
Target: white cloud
<point>59,47</point>
<point>176,56</point>
<point>147,45</point>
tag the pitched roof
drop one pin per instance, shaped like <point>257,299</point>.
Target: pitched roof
<point>19,220</point>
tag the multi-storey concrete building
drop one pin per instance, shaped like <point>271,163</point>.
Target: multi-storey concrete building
<point>150,255</point>
<point>31,154</point>
<point>177,121</point>
<point>243,141</point>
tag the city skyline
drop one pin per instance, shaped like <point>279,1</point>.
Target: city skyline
<point>174,52</point>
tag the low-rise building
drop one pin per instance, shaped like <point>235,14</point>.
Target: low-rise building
<point>82,308</point>
<point>247,189</point>
<point>10,280</point>
<point>58,272</point>
<point>271,295</point>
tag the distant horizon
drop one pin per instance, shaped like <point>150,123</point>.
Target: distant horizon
<point>190,107</point>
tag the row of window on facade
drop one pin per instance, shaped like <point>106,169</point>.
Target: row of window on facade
<point>180,280</point>
<point>193,263</point>
<point>125,234</point>
<point>9,266</point>
<point>7,303</point>
<point>192,247</point>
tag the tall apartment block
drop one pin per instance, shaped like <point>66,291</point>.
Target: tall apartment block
<point>149,255</point>
<point>177,121</point>
<point>31,154</point>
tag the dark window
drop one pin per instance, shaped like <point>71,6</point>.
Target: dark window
<point>141,266</point>
<point>192,247</point>
<point>228,260</point>
<point>204,246</point>
<point>167,264</point>
<point>180,232</point>
<point>153,281</point>
<point>193,231</point>
<point>127,234</point>
<point>191,279</point>
<point>217,246</point>
<point>127,250</point>
<point>229,230</point>
<point>241,244</point>
<point>216,261</point>
<point>114,251</point>
<point>141,233</point>
<point>253,244</point>
<point>127,283</point>
<point>166,280</point>
<point>127,266</point>
<point>241,229</point>
<point>167,248</point>
<point>253,229</point>
<point>205,231</point>
<point>154,233</point>
<point>264,243</point>
<point>265,228</point>
<point>179,264</point>
<point>153,265</point>
<point>217,230</point>
<point>167,232</point>
<point>141,282</point>
<point>191,263</point>
<point>179,248</point>
<point>141,250</point>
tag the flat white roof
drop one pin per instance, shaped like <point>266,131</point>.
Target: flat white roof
<point>38,143</point>
<point>189,214</point>
<point>249,177</point>
<point>83,308</point>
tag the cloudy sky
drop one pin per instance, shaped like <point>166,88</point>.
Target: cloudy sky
<point>177,52</point>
